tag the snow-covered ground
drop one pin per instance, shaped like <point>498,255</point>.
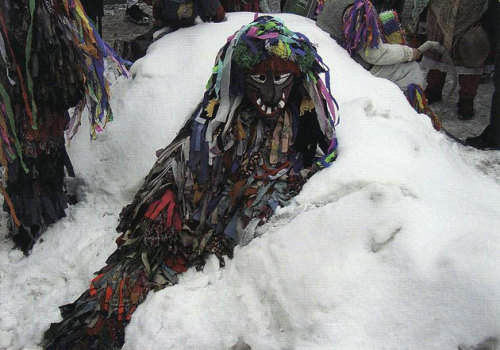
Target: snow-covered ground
<point>395,246</point>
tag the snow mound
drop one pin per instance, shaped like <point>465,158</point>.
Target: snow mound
<point>395,246</point>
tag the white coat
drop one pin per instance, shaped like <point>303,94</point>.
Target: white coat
<point>393,62</point>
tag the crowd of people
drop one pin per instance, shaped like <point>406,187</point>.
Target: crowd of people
<point>249,152</point>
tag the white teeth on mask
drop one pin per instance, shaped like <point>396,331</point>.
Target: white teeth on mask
<point>281,104</point>
<point>268,110</point>
<point>283,96</point>
<point>263,107</point>
<point>259,101</point>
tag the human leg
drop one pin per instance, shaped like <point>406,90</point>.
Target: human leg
<point>490,137</point>
<point>469,84</point>
<point>435,83</point>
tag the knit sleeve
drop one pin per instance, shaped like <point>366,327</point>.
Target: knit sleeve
<point>386,54</point>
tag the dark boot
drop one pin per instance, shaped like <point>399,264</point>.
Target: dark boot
<point>465,108</point>
<point>435,83</point>
<point>25,238</point>
<point>488,139</point>
<point>468,91</point>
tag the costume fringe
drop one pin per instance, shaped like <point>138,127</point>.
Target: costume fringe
<point>416,98</point>
<point>59,62</point>
<point>361,27</point>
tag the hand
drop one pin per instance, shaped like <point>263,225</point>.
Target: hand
<point>416,54</point>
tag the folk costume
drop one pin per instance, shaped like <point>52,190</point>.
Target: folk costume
<point>52,59</point>
<point>264,126</point>
<point>456,25</point>
<point>378,43</point>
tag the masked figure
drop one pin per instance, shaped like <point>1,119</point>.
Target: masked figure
<point>52,59</point>
<point>264,126</point>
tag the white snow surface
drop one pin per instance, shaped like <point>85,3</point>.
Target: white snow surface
<point>395,246</point>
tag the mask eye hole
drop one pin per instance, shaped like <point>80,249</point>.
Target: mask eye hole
<point>259,78</point>
<point>281,78</point>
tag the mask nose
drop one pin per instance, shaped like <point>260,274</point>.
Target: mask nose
<point>271,92</point>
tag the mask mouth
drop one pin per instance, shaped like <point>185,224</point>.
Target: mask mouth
<point>269,110</point>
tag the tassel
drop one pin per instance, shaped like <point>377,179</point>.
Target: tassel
<point>416,98</point>
<point>361,27</point>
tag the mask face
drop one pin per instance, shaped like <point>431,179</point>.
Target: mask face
<point>269,90</point>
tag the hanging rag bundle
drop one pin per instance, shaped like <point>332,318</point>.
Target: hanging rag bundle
<point>214,185</point>
<point>416,98</point>
<point>52,60</point>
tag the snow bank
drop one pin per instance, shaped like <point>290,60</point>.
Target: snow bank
<point>395,246</point>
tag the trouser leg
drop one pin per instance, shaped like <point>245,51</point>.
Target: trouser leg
<point>469,84</point>
<point>435,83</point>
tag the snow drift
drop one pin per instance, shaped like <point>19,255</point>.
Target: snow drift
<point>395,246</point>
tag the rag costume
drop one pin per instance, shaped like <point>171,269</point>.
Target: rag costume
<point>456,25</point>
<point>264,126</point>
<point>378,43</point>
<point>52,59</point>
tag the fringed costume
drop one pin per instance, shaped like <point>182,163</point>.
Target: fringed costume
<point>51,60</point>
<point>264,126</point>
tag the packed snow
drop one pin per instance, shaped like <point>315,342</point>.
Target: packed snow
<point>395,246</point>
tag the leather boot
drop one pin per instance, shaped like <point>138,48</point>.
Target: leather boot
<point>468,91</point>
<point>435,83</point>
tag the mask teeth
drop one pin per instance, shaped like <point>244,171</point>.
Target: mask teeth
<point>281,103</point>
<point>269,110</point>
<point>263,107</point>
<point>259,102</point>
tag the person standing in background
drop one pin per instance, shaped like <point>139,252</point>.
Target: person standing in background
<point>490,137</point>
<point>456,25</point>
